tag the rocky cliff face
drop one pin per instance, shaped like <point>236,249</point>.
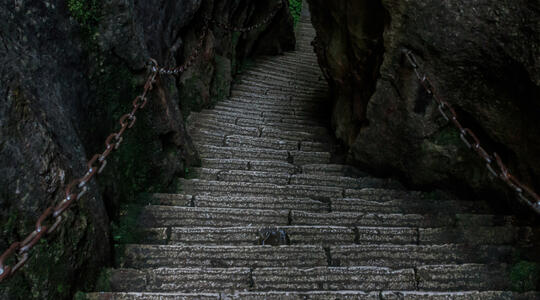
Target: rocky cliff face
<point>483,57</point>
<point>69,70</point>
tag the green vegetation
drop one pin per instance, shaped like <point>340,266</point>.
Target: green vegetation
<point>447,136</point>
<point>296,10</point>
<point>525,276</point>
<point>86,12</point>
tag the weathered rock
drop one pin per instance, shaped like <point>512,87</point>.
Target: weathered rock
<point>482,57</point>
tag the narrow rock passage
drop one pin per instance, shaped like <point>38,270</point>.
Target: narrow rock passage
<point>267,165</point>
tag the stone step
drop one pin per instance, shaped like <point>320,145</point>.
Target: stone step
<point>285,107</point>
<point>478,235</point>
<point>310,82</point>
<point>336,235</point>
<point>274,203</point>
<point>360,295</point>
<point>197,186</point>
<point>333,278</point>
<point>246,142</point>
<point>409,256</point>
<point>249,165</point>
<point>420,206</point>
<point>247,89</point>
<point>297,235</point>
<point>297,98</point>
<point>150,296</point>
<point>333,170</point>
<point>177,216</point>
<point>177,256</point>
<point>282,178</point>
<point>189,280</point>
<point>272,125</point>
<point>396,220</point>
<point>283,86</point>
<point>262,119</point>
<point>272,103</point>
<point>293,157</point>
<point>298,74</point>
<point>224,128</point>
<point>288,64</point>
<point>463,277</point>
<point>266,111</point>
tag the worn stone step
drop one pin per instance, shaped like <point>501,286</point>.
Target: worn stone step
<point>286,107</point>
<point>333,170</point>
<point>268,111</point>
<point>293,157</point>
<point>250,235</point>
<point>260,119</point>
<point>209,151</point>
<point>189,280</point>
<point>283,86</point>
<point>197,186</point>
<point>182,256</point>
<point>249,165</point>
<point>272,80</point>
<point>246,142</point>
<point>420,206</point>
<point>310,82</point>
<point>291,141</point>
<point>150,296</point>
<point>345,182</point>
<point>333,278</point>
<point>226,128</point>
<point>397,220</point>
<point>381,194</point>
<point>169,216</point>
<point>308,295</point>
<point>263,94</point>
<point>213,120</point>
<point>385,295</point>
<point>478,235</point>
<point>258,202</point>
<point>273,104</point>
<point>268,91</point>
<point>409,256</point>
<point>287,65</point>
<point>480,277</point>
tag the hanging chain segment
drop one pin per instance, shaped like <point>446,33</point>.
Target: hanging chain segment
<point>470,139</point>
<point>52,217</point>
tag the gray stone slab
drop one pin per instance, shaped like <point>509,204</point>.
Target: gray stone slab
<point>331,278</point>
<point>167,216</point>
<point>223,256</point>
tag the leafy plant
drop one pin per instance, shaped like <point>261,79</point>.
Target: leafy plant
<point>296,9</point>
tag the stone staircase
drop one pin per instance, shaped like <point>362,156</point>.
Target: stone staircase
<point>329,230</point>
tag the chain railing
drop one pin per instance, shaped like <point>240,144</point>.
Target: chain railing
<point>469,138</point>
<point>52,217</point>
<point>265,21</point>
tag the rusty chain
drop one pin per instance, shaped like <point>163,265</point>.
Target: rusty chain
<point>51,218</point>
<point>249,28</point>
<point>469,138</point>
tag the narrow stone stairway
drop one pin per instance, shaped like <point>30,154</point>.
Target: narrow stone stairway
<point>270,216</point>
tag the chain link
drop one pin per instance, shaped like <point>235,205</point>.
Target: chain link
<point>265,21</point>
<point>470,139</point>
<point>77,188</point>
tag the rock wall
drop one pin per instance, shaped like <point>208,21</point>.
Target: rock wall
<point>482,56</point>
<point>69,70</point>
